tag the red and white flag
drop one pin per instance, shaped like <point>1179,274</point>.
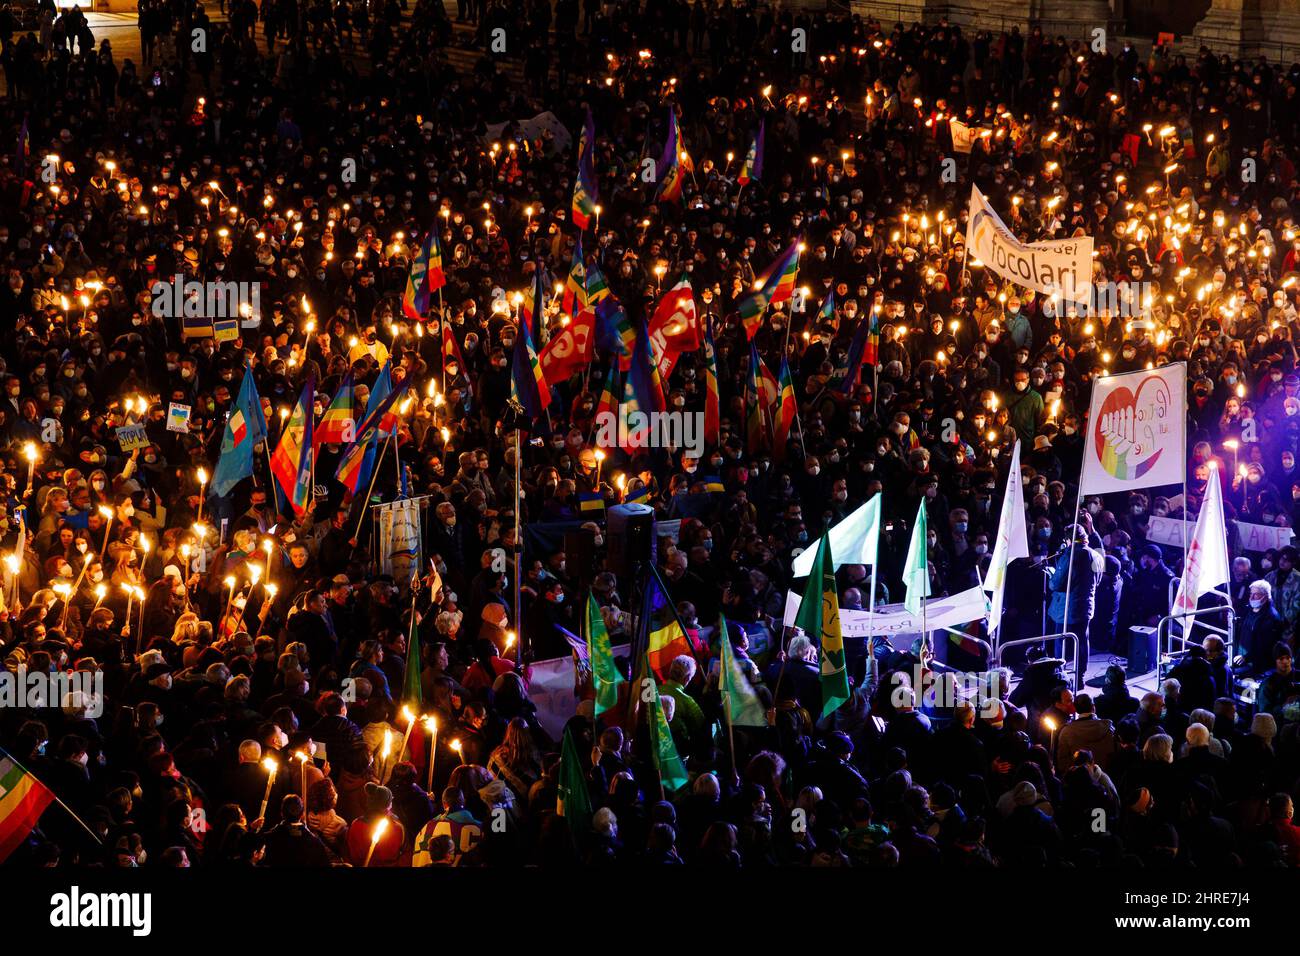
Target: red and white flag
<point>673,328</point>
<point>570,349</point>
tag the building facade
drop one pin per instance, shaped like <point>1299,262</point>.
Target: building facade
<point>1268,28</point>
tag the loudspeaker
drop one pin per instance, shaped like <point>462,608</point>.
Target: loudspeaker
<point>1142,651</point>
<point>580,557</point>
<point>632,539</point>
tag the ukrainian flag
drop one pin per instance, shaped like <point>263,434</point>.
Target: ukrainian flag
<point>591,502</point>
<point>196,327</point>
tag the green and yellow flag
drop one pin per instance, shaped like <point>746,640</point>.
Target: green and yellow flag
<point>744,709</point>
<point>572,801</point>
<point>671,769</point>
<point>605,677</point>
<point>819,618</point>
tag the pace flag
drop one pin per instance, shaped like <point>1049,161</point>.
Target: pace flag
<point>291,460</point>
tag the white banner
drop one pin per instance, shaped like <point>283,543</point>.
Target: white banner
<point>1262,537</point>
<point>1061,266</point>
<point>534,128</point>
<point>891,619</point>
<point>1165,531</point>
<point>1136,431</point>
<point>399,538</point>
<point>963,136</point>
<point>550,687</point>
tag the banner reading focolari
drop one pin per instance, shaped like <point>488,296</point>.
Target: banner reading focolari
<point>1054,266</point>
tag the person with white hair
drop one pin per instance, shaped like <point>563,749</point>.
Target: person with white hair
<point>1217,746</point>
<point>1199,762</point>
<point>605,844</point>
<point>686,718</point>
<point>798,673</point>
<point>1258,631</point>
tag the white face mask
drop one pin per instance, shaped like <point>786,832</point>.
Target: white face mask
<point>1256,603</point>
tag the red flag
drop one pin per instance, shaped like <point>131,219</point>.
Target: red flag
<point>450,347</point>
<point>570,349</point>
<point>673,327</point>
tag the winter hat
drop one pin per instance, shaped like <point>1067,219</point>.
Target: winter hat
<point>378,798</point>
<point>1024,794</point>
<point>1263,725</point>
<point>496,793</point>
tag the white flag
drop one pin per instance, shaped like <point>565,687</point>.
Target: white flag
<point>1206,567</point>
<point>963,136</point>
<point>1013,540</point>
<point>853,541</point>
<point>1137,425</point>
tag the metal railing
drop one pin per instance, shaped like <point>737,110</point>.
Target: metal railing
<point>1076,676</point>
<point>1167,640</point>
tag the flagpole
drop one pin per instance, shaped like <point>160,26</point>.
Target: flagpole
<point>925,618</point>
<point>871,623</point>
<point>397,462</point>
<point>726,715</point>
<point>374,475</point>
<point>275,490</point>
<point>1069,577</point>
<point>53,796</point>
<point>519,553</point>
<point>446,331</point>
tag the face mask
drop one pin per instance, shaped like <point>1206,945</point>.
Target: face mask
<point>981,549</point>
<point>1256,604</point>
<point>960,527</point>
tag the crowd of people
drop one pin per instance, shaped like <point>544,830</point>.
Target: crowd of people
<point>311,154</point>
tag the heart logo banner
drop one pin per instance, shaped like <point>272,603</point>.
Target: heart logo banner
<point>1137,431</point>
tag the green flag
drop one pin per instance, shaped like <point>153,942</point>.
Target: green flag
<point>572,802</point>
<point>671,769</point>
<point>916,569</point>
<point>605,677</point>
<point>743,706</point>
<point>412,691</point>
<point>819,618</point>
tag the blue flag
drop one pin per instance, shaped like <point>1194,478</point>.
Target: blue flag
<point>244,429</point>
